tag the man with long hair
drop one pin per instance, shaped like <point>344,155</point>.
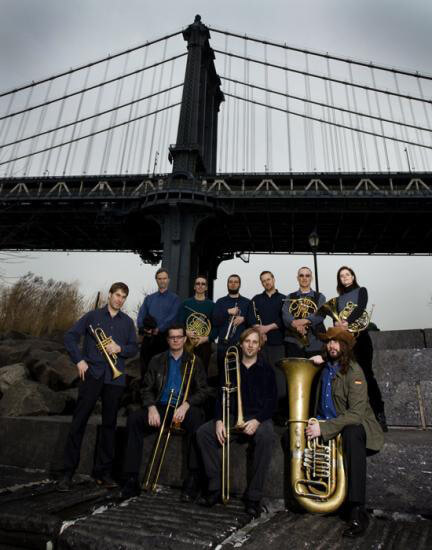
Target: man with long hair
<point>343,406</point>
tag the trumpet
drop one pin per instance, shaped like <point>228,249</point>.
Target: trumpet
<point>232,356</point>
<point>102,341</point>
<point>154,466</point>
<point>231,327</point>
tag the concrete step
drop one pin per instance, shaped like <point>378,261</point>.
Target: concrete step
<point>399,477</point>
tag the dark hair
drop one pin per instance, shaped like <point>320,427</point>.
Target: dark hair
<point>234,275</point>
<point>119,286</point>
<point>341,289</point>
<point>201,277</point>
<point>345,358</point>
<point>176,326</point>
<point>264,272</point>
<point>248,332</point>
<point>161,270</point>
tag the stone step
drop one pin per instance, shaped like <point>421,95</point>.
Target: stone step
<point>401,339</point>
<point>399,477</point>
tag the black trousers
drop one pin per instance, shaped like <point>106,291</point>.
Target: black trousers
<point>260,445</point>
<point>150,346</point>
<point>354,447</point>
<point>138,427</point>
<point>88,393</point>
<point>363,353</point>
<point>204,351</point>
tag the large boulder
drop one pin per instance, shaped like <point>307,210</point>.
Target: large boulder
<point>12,374</point>
<point>28,398</point>
<point>58,374</point>
<point>13,352</point>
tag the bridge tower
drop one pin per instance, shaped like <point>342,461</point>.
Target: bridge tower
<point>194,154</point>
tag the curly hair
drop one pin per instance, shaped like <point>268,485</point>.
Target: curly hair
<point>345,358</point>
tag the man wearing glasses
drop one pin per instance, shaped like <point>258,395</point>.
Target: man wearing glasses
<point>300,319</point>
<point>165,373</point>
<point>199,306</point>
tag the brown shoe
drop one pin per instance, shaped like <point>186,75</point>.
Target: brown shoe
<point>106,481</point>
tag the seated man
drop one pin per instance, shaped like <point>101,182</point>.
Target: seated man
<point>164,374</point>
<point>259,397</point>
<point>342,403</point>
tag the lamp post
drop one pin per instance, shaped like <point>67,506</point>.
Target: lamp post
<point>313,243</point>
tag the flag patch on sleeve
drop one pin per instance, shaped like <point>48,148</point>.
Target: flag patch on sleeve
<point>358,382</point>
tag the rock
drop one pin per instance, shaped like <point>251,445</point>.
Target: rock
<point>58,374</point>
<point>71,396</point>
<point>13,352</point>
<point>15,335</point>
<point>28,398</point>
<point>397,339</point>
<point>12,374</point>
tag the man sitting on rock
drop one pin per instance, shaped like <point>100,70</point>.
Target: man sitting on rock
<point>98,381</point>
<point>343,407</point>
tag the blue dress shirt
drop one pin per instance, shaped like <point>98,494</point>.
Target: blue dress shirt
<point>174,380</point>
<point>162,306</point>
<point>327,410</point>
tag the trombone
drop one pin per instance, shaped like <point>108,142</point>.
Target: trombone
<point>158,455</point>
<point>231,363</point>
<point>102,341</point>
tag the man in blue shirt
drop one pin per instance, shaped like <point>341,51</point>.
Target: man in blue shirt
<point>165,373</point>
<point>158,311</point>
<point>229,318</point>
<point>99,380</point>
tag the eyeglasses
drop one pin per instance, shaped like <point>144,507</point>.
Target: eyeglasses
<point>175,337</point>
<point>200,284</point>
<point>308,276</point>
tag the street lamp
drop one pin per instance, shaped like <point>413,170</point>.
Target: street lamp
<point>314,243</point>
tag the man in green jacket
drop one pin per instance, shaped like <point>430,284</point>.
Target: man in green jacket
<point>343,407</point>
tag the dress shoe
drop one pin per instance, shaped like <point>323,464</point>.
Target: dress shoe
<point>253,508</point>
<point>382,421</point>
<point>210,500</point>
<point>64,484</point>
<point>358,523</point>
<point>106,481</point>
<point>131,488</point>
<point>190,489</point>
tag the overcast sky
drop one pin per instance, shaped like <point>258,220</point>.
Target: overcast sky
<point>42,37</point>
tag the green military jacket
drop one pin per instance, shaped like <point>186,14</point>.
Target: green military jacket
<point>350,398</point>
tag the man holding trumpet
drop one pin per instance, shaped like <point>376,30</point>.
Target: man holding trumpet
<point>109,338</point>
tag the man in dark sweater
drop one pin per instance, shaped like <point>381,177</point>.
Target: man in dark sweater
<point>259,398</point>
<point>97,380</point>
<point>164,375</point>
<point>231,310</point>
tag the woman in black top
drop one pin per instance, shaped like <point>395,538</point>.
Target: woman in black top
<point>349,291</point>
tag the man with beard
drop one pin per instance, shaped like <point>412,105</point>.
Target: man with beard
<point>259,396</point>
<point>343,406</point>
<point>229,318</point>
<point>157,313</point>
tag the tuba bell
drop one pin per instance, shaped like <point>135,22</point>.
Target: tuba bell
<point>317,472</point>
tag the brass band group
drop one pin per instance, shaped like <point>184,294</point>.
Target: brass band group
<point>274,362</point>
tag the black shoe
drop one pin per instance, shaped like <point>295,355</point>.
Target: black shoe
<point>106,481</point>
<point>191,488</point>
<point>64,484</point>
<point>253,508</point>
<point>382,421</point>
<point>210,500</point>
<point>358,523</point>
<point>131,488</point>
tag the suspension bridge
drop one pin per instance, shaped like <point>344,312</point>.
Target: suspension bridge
<point>205,143</point>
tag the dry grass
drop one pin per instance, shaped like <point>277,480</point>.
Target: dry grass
<point>39,307</point>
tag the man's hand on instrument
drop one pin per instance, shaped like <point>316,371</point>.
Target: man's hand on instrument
<point>181,412</point>
<point>82,368</point>
<point>313,430</point>
<point>113,347</point>
<point>233,311</point>
<point>238,320</point>
<point>153,416</point>
<point>341,324</point>
<point>250,426</point>
<point>220,432</point>
<point>317,359</point>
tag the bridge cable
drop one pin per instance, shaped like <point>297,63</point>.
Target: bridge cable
<point>108,58</point>
<point>326,55</point>
<point>135,125</point>
<point>382,120</point>
<point>323,77</point>
<point>145,126</point>
<point>362,131</point>
<point>164,136</point>
<point>288,127</point>
<point>222,118</point>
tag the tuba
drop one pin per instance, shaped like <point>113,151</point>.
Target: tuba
<point>330,308</point>
<point>232,363</point>
<point>318,479</point>
<point>300,308</point>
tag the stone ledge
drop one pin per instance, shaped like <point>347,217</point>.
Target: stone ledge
<point>398,339</point>
<point>399,477</point>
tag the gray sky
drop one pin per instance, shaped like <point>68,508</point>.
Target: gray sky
<point>42,37</point>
